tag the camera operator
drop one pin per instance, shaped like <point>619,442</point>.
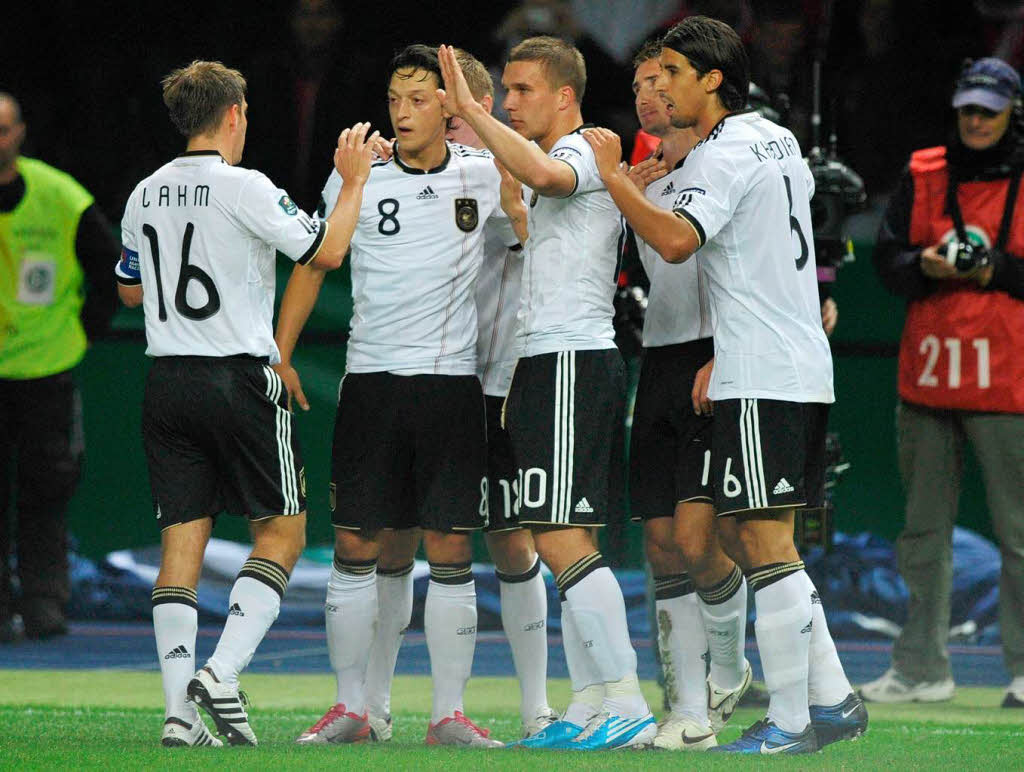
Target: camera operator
<point>952,243</point>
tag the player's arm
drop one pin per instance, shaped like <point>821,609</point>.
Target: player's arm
<point>126,270</point>
<point>296,305</point>
<point>512,203</point>
<point>524,159</point>
<point>673,236</point>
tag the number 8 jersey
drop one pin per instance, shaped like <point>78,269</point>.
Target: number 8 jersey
<point>200,236</point>
<point>746,191</point>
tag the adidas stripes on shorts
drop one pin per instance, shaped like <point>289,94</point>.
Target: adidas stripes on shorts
<point>768,454</point>
<point>564,414</point>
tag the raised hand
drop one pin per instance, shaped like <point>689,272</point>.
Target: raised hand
<point>455,97</point>
<point>607,150</point>
<point>354,153</point>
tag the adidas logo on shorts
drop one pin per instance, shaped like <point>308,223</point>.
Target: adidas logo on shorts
<point>807,627</point>
<point>178,653</point>
<point>670,188</point>
<point>782,487</point>
<point>583,506</point>
<point>427,193</point>
<point>236,610</point>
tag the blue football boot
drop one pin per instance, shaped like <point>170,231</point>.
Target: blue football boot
<point>606,732</point>
<point>846,721</point>
<point>556,736</point>
<point>765,737</point>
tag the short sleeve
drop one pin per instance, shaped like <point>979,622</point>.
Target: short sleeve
<point>575,151</point>
<point>329,195</point>
<point>809,177</point>
<point>709,192</point>
<point>127,268</point>
<point>269,213</point>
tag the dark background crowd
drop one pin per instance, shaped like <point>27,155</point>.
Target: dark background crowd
<point>87,74</point>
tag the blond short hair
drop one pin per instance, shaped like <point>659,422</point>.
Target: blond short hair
<point>197,95</point>
<point>562,62</point>
<point>477,77</point>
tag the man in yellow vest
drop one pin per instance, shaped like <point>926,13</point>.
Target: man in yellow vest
<point>53,238</point>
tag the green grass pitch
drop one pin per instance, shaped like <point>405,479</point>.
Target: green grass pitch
<point>111,719</point>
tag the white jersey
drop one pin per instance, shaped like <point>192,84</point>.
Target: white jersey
<point>498,290</point>
<point>746,190</point>
<point>677,308</point>
<point>571,258</point>
<point>416,253</point>
<point>200,236</point>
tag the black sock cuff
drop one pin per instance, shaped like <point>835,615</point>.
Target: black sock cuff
<point>396,572</point>
<point>355,567</point>
<point>767,575</point>
<point>268,572</point>
<point>578,571</point>
<point>183,595</point>
<point>724,590</point>
<point>523,577</point>
<point>451,573</point>
<point>672,586</point>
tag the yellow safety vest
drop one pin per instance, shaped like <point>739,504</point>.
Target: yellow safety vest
<point>40,279</point>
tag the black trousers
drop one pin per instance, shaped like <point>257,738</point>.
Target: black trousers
<point>40,463</point>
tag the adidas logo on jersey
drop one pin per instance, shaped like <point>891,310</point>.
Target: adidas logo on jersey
<point>670,188</point>
<point>584,506</point>
<point>178,653</point>
<point>427,193</point>
<point>236,611</point>
<point>782,487</point>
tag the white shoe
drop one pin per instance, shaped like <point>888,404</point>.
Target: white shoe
<point>722,702</point>
<point>381,728</point>
<point>179,733</point>
<point>544,718</point>
<point>893,687</point>
<point>337,725</point>
<point>679,733</point>
<point>224,704</point>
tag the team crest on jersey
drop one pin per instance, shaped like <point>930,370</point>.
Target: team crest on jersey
<point>288,206</point>
<point>466,215</point>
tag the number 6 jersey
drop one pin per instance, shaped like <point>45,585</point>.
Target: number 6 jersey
<point>200,236</point>
<point>746,191</point>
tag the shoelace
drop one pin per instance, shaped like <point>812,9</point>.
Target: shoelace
<point>595,723</point>
<point>335,712</point>
<point>463,719</point>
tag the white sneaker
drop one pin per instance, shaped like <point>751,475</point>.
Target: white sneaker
<point>381,728</point>
<point>337,725</point>
<point>679,733</point>
<point>544,718</point>
<point>893,687</point>
<point>722,702</point>
<point>179,733</point>
<point>224,704</point>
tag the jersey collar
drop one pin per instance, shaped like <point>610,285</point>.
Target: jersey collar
<point>411,170</point>
<point>579,129</point>
<point>194,153</point>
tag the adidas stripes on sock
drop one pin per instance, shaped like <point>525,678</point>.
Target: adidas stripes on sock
<point>253,604</point>
<point>394,612</point>
<point>175,621</point>
<point>723,608</point>
<point>351,616</point>
<point>681,645</point>
<point>524,612</point>
<point>450,621</point>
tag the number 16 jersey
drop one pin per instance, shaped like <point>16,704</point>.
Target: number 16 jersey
<point>200,236</point>
<point>746,191</point>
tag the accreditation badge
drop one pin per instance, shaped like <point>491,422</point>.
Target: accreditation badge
<point>37,279</point>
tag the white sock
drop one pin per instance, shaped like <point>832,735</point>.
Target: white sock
<point>724,611</point>
<point>394,612</point>
<point>587,686</point>
<point>351,615</point>
<point>450,622</point>
<point>524,613</point>
<point>681,645</point>
<point>175,621</point>
<point>599,611</point>
<point>826,680</point>
<point>783,630</point>
<point>253,606</point>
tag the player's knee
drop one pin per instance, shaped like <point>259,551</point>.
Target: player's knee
<point>355,545</point>
<point>447,547</point>
<point>512,551</point>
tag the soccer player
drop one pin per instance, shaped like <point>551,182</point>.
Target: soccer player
<point>409,436</point>
<point>199,237</point>
<point>567,393</point>
<point>743,211</point>
<point>700,594</point>
<point>524,607</point>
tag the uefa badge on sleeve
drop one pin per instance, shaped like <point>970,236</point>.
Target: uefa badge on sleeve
<point>466,214</point>
<point>288,206</point>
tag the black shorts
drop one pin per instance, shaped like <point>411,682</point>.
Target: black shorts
<point>501,471</point>
<point>670,445</point>
<point>769,454</point>
<point>564,413</point>
<point>218,437</point>
<point>409,452</point>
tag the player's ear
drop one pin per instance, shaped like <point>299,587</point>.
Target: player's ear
<point>488,102</point>
<point>566,97</point>
<point>713,80</point>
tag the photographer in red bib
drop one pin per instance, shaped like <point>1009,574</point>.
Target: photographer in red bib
<point>952,243</point>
